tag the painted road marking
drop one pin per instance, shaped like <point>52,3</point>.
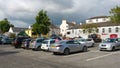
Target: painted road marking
<point>82,53</point>
<point>98,57</point>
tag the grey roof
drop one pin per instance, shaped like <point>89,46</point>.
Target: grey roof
<point>18,29</point>
<point>99,17</point>
<point>52,26</point>
<point>72,25</point>
<point>103,24</point>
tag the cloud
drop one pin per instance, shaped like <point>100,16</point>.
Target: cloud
<point>24,11</point>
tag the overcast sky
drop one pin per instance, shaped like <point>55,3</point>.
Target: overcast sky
<point>21,13</point>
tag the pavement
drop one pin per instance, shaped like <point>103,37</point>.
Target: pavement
<point>22,58</point>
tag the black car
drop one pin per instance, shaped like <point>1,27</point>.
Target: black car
<point>18,41</point>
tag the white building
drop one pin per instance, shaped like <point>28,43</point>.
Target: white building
<point>105,29</point>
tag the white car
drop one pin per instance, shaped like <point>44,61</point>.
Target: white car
<point>46,44</point>
<point>88,42</point>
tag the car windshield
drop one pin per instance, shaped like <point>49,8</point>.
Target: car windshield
<point>45,42</point>
<point>81,39</point>
<point>109,40</point>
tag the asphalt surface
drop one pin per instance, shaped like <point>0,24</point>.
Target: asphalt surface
<point>21,58</point>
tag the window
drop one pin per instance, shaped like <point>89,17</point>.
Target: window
<point>103,30</point>
<point>96,20</point>
<point>97,30</point>
<point>83,31</point>
<point>109,30</point>
<point>116,29</point>
<point>68,32</point>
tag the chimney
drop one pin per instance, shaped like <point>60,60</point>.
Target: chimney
<point>64,21</point>
<point>80,23</point>
<point>74,22</point>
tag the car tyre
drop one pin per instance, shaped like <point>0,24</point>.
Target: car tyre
<point>38,48</point>
<point>113,48</point>
<point>93,44</point>
<point>66,51</point>
<point>55,53</point>
<point>84,49</point>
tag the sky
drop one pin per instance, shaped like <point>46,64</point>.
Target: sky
<point>22,13</point>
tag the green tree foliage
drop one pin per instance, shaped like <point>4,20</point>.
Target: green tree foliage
<point>41,26</point>
<point>89,28</point>
<point>4,25</point>
<point>115,14</point>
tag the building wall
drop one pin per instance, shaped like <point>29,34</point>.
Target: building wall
<point>98,20</point>
<point>63,27</point>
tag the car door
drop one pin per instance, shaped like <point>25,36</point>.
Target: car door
<point>76,45</point>
<point>89,42</point>
<point>71,45</point>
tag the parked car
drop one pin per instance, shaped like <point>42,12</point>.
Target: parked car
<point>36,44</point>
<point>18,41</point>
<point>89,41</point>
<point>67,46</point>
<point>6,41</point>
<point>46,44</point>
<point>26,43</point>
<point>110,44</point>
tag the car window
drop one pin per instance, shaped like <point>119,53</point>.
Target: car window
<point>40,40</point>
<point>53,41</point>
<point>88,39</point>
<point>70,42</point>
<point>118,39</point>
<point>81,39</point>
<point>45,42</point>
<point>76,42</point>
<point>109,40</point>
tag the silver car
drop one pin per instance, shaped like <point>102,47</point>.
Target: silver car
<point>89,41</point>
<point>110,44</point>
<point>67,46</point>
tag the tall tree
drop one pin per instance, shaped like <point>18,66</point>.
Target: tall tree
<point>41,26</point>
<point>115,14</point>
<point>4,25</point>
<point>89,28</point>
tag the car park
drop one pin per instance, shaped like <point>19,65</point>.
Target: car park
<point>110,44</point>
<point>67,46</point>
<point>35,44</point>
<point>6,41</point>
<point>46,44</point>
<point>88,42</point>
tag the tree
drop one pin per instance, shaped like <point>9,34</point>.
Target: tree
<point>115,14</point>
<point>89,28</point>
<point>41,26</point>
<point>4,25</point>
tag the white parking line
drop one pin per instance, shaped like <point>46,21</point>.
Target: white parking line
<point>82,53</point>
<point>98,57</point>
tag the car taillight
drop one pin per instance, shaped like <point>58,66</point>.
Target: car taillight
<point>58,45</point>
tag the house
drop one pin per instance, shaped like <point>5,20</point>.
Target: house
<point>16,30</point>
<point>66,26</point>
<point>105,28</point>
<point>53,30</point>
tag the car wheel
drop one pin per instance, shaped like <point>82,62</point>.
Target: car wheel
<point>39,48</point>
<point>66,51</point>
<point>55,53</point>
<point>84,49</point>
<point>92,44</point>
<point>113,48</point>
